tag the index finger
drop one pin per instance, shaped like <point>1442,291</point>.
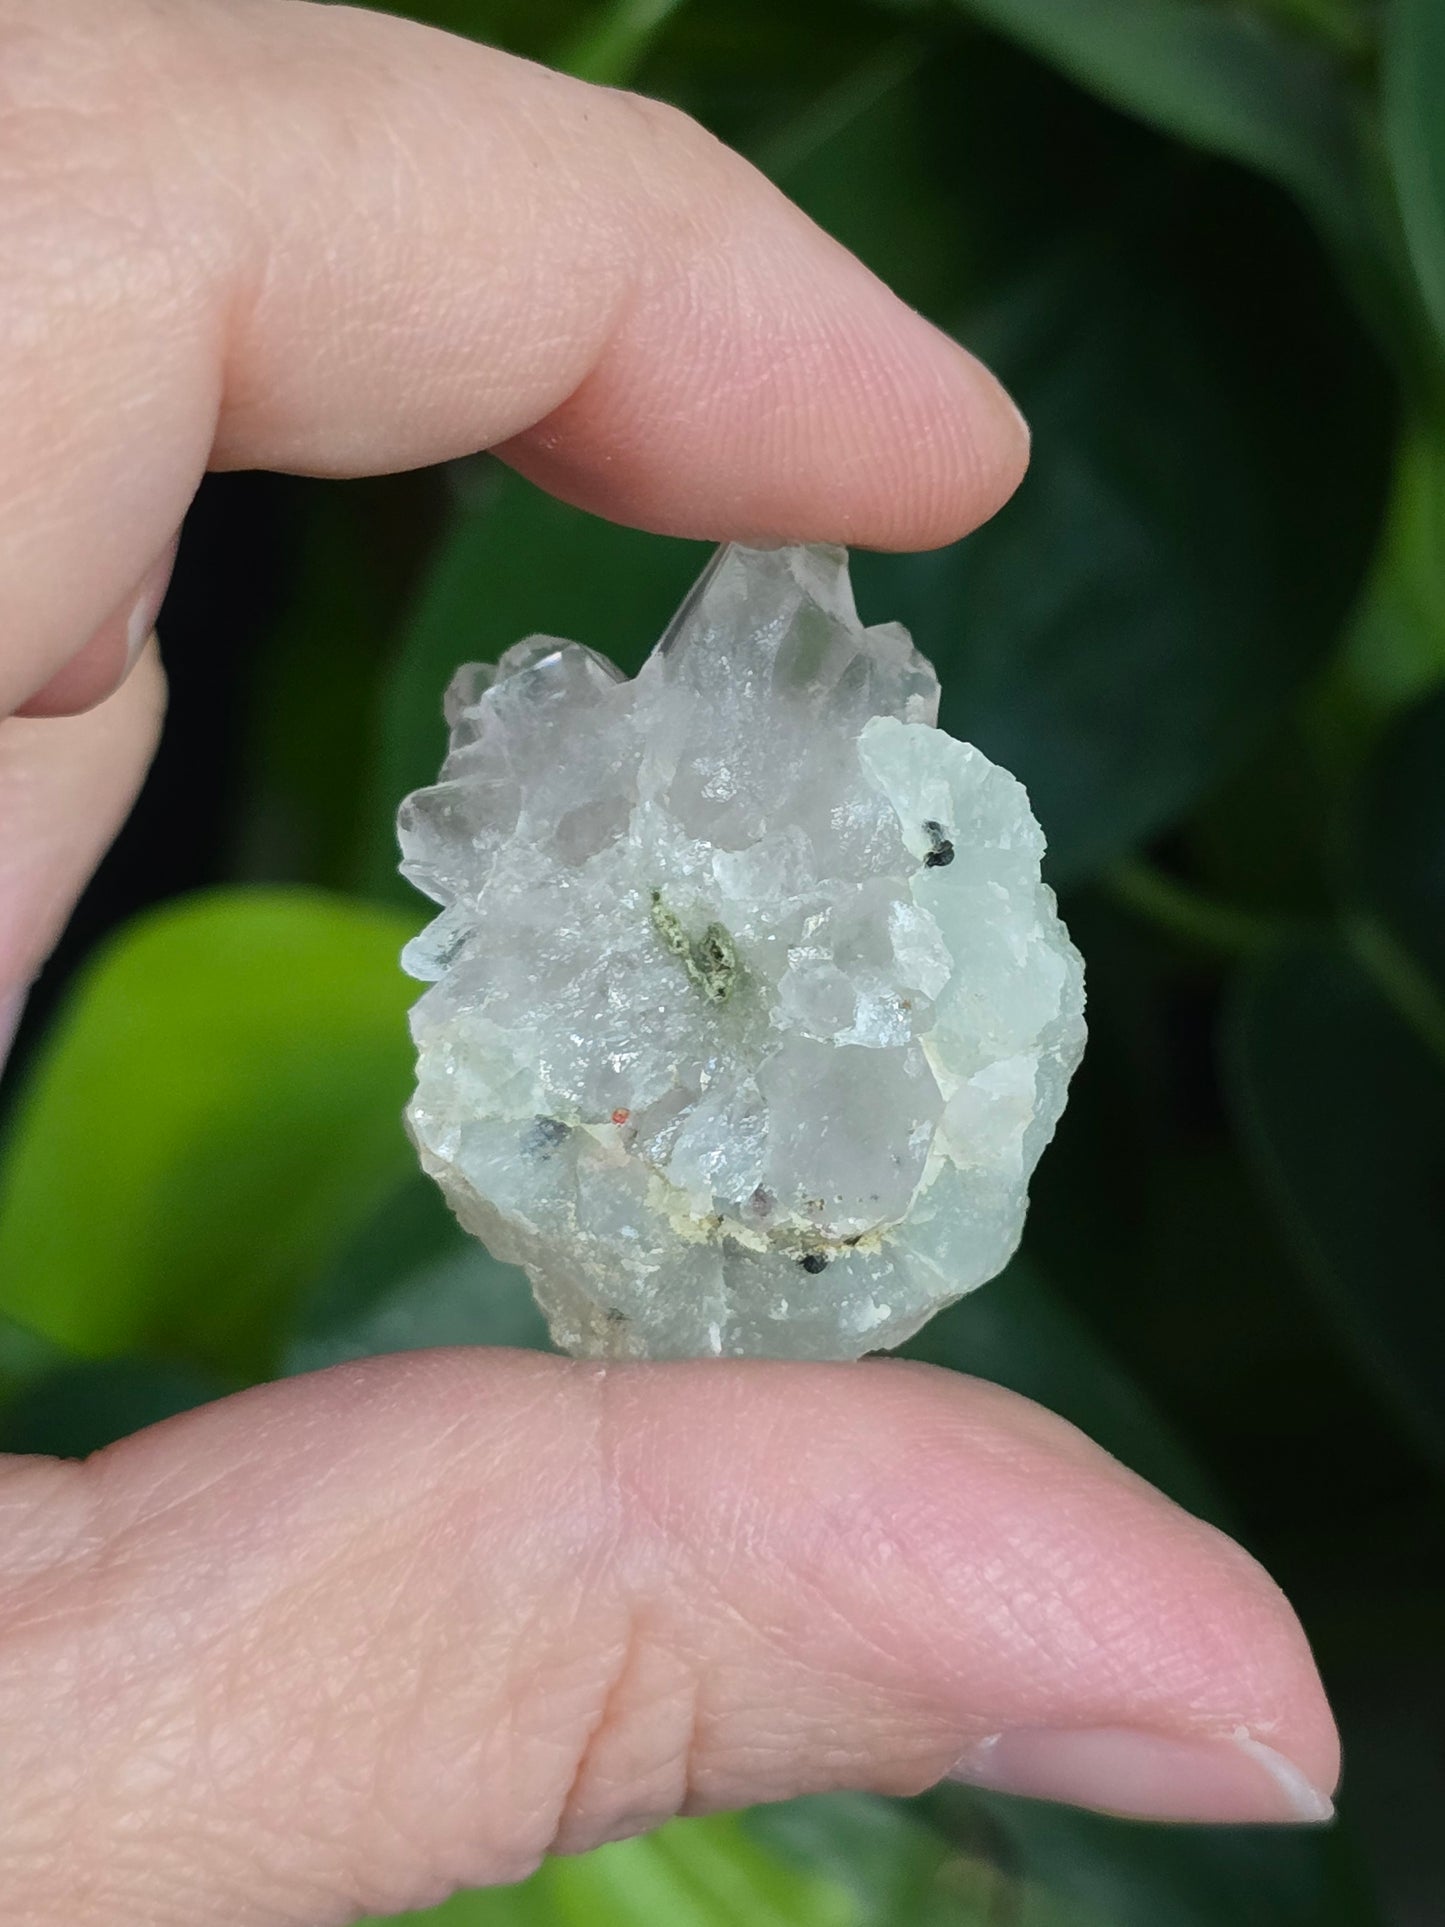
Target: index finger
<point>337,243</point>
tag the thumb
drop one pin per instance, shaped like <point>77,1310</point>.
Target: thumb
<point>346,1643</point>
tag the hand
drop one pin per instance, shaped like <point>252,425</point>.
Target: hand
<point>347,1642</point>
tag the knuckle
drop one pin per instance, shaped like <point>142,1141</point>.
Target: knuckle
<point>632,1768</point>
<point>633,1726</point>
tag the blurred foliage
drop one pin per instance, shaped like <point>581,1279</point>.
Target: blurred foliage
<point>1204,241</point>
<point>251,1045</point>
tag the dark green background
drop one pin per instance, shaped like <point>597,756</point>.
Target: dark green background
<point>1205,246</point>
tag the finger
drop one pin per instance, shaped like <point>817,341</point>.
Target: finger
<point>336,242</point>
<point>98,669</point>
<point>65,788</point>
<point>345,1643</point>
<point>12,1009</point>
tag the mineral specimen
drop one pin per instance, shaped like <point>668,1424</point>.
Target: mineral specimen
<point>750,1013</point>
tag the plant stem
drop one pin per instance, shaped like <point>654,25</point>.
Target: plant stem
<point>1188,914</point>
<point>1405,986</point>
<point>838,107</point>
<point>1343,28</point>
<point>610,50</point>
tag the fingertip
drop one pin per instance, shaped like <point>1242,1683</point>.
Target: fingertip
<point>880,432</point>
<point>952,1544</point>
<point>1286,1727</point>
<point>763,385</point>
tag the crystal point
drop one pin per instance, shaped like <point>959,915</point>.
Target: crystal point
<point>750,1014</point>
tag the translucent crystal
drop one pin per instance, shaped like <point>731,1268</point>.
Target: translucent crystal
<point>750,1014</point>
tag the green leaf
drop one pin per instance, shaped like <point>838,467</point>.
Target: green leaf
<point>1016,1331</point>
<point>694,1874</point>
<point>216,1106</point>
<point>1129,1875</point>
<point>531,27</point>
<point>902,1870</point>
<point>861,159</point>
<point>1185,547</point>
<point>1343,1112</point>
<point>1414,106</point>
<point>690,1873</point>
<point>838,1860</point>
<point>1147,1220</point>
<point>514,563</point>
<point>76,1409</point>
<point>1223,79</point>
<point>26,1357</point>
<point>1394,651</point>
<point>409,1279</point>
<point>1399,853</point>
<point>312,686</point>
<point>527,1905</point>
<point>611,47</point>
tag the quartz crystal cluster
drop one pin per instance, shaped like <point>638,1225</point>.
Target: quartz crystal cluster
<point>750,1014</point>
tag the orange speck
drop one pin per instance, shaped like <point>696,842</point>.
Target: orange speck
<point>620,1117</point>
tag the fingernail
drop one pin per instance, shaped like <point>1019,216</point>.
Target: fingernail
<point>140,623</point>
<point>1018,414</point>
<point>12,1008</point>
<point>96,671</point>
<point>1150,1776</point>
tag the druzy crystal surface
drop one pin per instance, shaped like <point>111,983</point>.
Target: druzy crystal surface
<point>749,1012</point>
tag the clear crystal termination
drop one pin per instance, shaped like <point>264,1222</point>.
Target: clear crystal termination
<point>750,1014</point>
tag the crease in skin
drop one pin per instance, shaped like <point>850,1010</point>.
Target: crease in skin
<point>633,1563</point>
<point>597,1732</point>
<point>66,785</point>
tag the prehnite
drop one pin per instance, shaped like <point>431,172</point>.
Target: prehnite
<point>750,1014</point>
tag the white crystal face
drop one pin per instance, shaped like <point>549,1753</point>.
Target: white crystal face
<point>750,1014</point>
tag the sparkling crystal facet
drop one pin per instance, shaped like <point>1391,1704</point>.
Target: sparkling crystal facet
<point>750,1012</point>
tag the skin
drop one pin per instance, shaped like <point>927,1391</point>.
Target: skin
<point>344,1643</point>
